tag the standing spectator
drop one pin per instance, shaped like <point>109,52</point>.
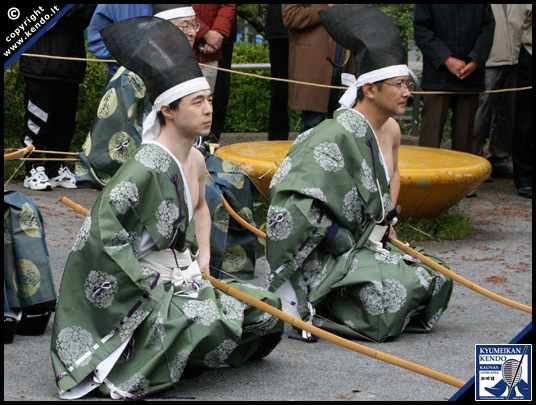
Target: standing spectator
<point>455,40</point>
<point>106,14</point>
<point>522,148</point>
<point>314,57</point>
<point>223,83</point>
<point>51,96</point>
<point>216,24</point>
<point>496,111</point>
<point>277,37</point>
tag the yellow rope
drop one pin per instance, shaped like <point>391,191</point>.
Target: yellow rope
<point>44,151</point>
<point>279,79</point>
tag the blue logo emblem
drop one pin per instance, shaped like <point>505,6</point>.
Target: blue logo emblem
<point>503,372</point>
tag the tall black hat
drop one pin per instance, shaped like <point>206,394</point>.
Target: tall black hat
<point>373,38</point>
<point>162,56</point>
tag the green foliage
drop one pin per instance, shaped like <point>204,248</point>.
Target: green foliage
<point>89,96</point>
<point>13,106</point>
<point>249,99</point>
<point>453,224</point>
<point>402,16</point>
<point>255,15</point>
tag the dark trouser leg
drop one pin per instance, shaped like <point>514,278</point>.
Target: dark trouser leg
<point>463,117</point>
<point>501,128</point>
<point>278,123</point>
<point>222,90</point>
<point>434,115</point>
<point>522,145</point>
<point>62,124</point>
<point>50,118</point>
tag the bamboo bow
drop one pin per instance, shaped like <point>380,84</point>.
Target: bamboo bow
<point>413,253</point>
<point>18,153</point>
<point>330,336</point>
<point>321,333</point>
<point>458,278</point>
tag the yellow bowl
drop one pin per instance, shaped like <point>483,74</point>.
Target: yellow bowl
<point>432,180</point>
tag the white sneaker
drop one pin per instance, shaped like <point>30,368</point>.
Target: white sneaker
<point>65,178</point>
<point>37,180</point>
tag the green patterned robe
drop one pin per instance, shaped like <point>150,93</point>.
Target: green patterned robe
<point>116,130</point>
<point>111,305</point>
<point>334,172</point>
<point>27,273</point>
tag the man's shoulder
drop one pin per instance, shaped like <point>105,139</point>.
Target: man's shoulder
<point>390,132</point>
<point>148,160</point>
<point>392,127</point>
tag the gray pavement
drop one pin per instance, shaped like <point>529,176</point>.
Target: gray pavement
<point>498,257</point>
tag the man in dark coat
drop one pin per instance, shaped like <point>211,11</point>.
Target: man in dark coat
<point>455,40</point>
<point>51,96</point>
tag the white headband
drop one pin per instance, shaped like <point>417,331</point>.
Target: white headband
<point>349,97</point>
<point>151,126</point>
<point>176,13</point>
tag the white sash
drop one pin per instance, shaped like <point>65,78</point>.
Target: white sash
<point>164,262</point>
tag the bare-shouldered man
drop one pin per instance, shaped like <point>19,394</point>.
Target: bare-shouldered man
<point>378,103</point>
<point>184,122</point>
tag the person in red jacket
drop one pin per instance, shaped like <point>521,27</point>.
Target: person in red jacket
<point>216,22</point>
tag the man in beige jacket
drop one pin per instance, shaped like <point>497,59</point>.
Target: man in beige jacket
<point>314,57</point>
<point>495,112</point>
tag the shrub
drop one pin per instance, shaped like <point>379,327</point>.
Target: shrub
<point>453,224</point>
<point>249,99</point>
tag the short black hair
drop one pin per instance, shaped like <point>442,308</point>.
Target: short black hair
<point>173,106</point>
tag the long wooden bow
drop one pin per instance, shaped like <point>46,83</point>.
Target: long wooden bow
<point>321,333</point>
<point>412,252</point>
<point>458,278</point>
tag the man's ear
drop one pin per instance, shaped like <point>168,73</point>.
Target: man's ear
<point>166,111</point>
<point>368,90</point>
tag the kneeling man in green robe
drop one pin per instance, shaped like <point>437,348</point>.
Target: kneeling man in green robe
<point>134,313</point>
<point>328,220</point>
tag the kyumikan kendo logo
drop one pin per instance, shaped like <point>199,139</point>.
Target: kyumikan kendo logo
<point>503,372</point>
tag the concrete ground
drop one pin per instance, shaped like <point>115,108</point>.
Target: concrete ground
<point>498,256</point>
